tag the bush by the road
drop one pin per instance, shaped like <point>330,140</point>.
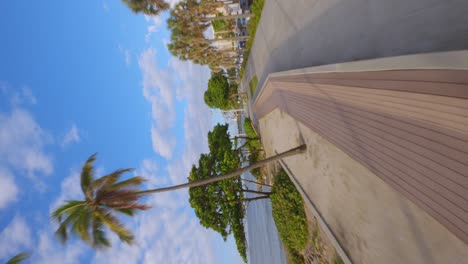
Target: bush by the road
<point>288,212</point>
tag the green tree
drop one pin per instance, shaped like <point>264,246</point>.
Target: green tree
<point>220,205</point>
<point>105,196</point>
<point>19,258</point>
<point>147,7</point>
<point>217,94</point>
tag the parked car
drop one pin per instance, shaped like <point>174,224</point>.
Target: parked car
<point>241,44</point>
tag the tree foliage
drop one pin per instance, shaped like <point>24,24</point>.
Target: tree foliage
<point>253,146</point>
<point>218,205</point>
<point>187,22</point>
<point>217,94</point>
<point>147,7</point>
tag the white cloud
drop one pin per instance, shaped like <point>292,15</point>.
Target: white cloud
<point>72,136</point>
<point>50,251</point>
<point>149,171</point>
<point>70,189</point>
<point>24,96</point>
<point>128,57</point>
<point>15,237</point>
<point>126,53</point>
<point>22,143</point>
<point>158,90</point>
<point>197,116</point>
<point>9,188</point>
<point>155,23</point>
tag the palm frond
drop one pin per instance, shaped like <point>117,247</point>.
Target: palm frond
<point>19,258</point>
<point>87,173</point>
<point>131,182</point>
<point>61,231</point>
<point>81,226</point>
<point>117,197</point>
<point>127,211</point>
<point>68,208</point>
<point>99,236</point>
<point>108,180</point>
<point>113,224</point>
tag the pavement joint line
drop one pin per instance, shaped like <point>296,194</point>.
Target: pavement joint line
<point>339,249</point>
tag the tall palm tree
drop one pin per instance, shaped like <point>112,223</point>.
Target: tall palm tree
<point>18,258</point>
<point>107,195</point>
<point>147,7</point>
<point>103,197</point>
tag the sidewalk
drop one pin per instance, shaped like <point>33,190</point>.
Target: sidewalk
<point>304,33</point>
<point>387,160</point>
<point>373,222</point>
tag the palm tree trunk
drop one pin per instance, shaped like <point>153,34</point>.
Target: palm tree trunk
<point>255,198</point>
<point>256,192</point>
<point>237,173</point>
<point>245,137</point>
<point>259,183</point>
<point>252,199</point>
<point>231,16</point>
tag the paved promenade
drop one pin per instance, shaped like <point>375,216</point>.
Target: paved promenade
<point>387,161</point>
<point>295,34</point>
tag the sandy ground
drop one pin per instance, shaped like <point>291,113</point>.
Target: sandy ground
<point>372,222</point>
<point>319,249</point>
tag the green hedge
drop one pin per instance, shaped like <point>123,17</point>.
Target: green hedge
<point>288,212</point>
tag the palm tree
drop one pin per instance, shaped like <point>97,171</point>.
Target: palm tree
<point>18,258</point>
<point>106,195</point>
<point>103,197</point>
<point>147,7</point>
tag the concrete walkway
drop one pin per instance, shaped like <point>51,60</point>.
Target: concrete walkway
<point>374,221</point>
<point>387,160</point>
<point>303,33</point>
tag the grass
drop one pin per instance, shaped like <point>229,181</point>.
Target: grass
<point>253,85</point>
<point>338,260</point>
<point>257,7</point>
<point>294,257</point>
<point>219,25</point>
<point>315,239</point>
<point>254,146</point>
<point>289,215</point>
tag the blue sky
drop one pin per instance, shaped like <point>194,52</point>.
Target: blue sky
<point>90,76</point>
